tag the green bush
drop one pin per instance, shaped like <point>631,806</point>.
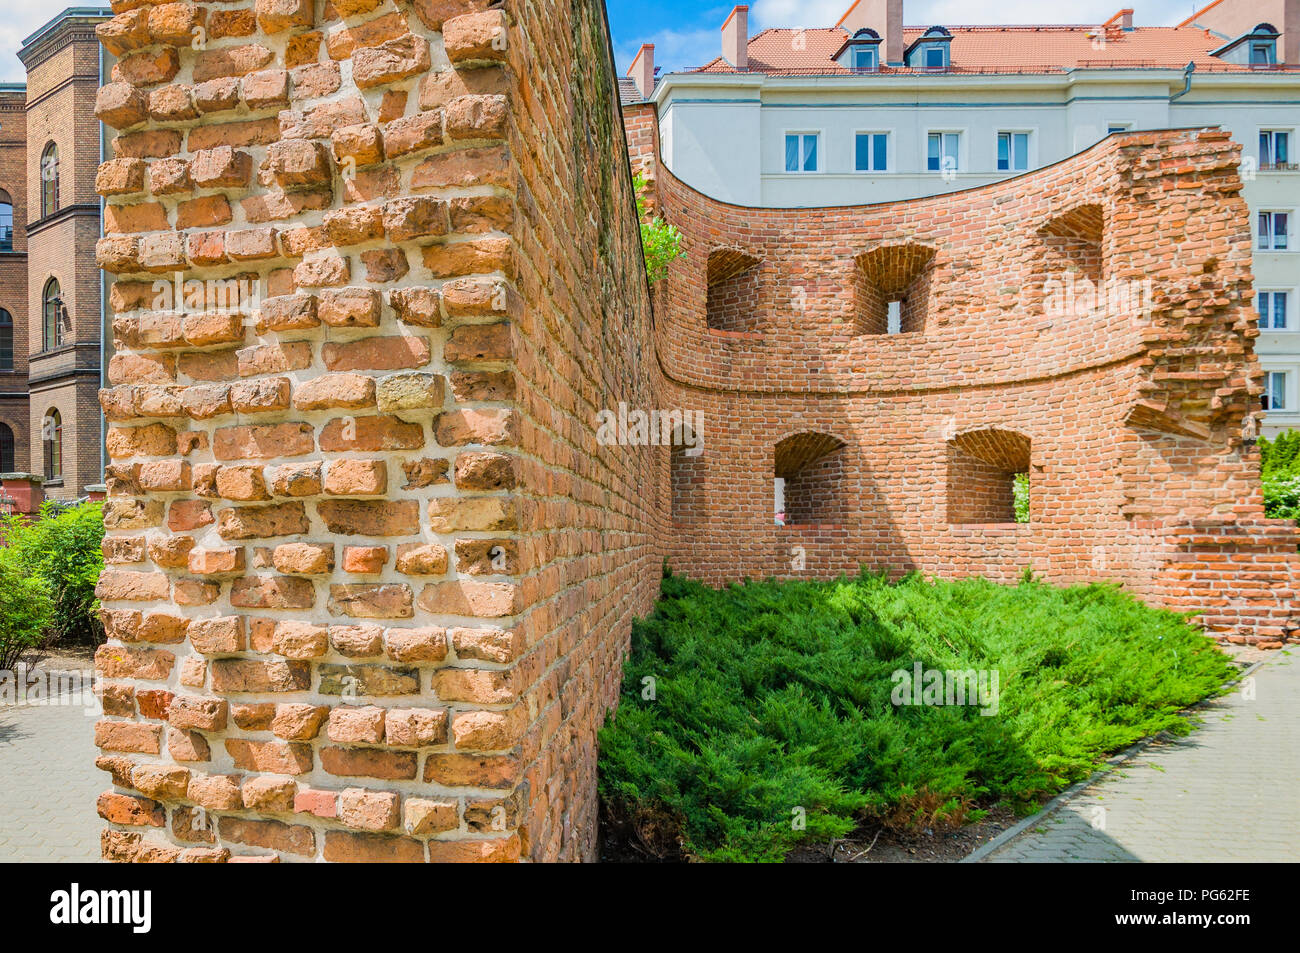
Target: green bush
<point>1279,465</point>
<point>660,242</point>
<point>25,610</point>
<point>1281,456</point>
<point>742,706</point>
<point>63,548</point>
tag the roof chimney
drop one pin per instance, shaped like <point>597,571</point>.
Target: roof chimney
<point>1123,19</point>
<point>642,70</point>
<point>883,16</point>
<point>735,38</point>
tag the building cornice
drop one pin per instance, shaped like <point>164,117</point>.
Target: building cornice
<point>1164,78</point>
<point>66,212</point>
<point>76,24</point>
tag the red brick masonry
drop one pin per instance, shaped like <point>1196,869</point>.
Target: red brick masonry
<point>1135,419</point>
<point>370,568</point>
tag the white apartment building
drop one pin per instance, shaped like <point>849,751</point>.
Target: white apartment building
<point>869,110</point>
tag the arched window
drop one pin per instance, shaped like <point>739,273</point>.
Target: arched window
<point>732,280</point>
<point>809,477</point>
<point>52,314</point>
<point>988,477</point>
<point>6,449</point>
<point>6,222</point>
<point>52,443</point>
<point>50,180</point>
<point>6,341</point>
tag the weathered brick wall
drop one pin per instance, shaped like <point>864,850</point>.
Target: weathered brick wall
<point>370,574</point>
<point>1134,421</point>
<point>13,273</point>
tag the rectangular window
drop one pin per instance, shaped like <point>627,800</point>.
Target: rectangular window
<point>1272,308</point>
<point>871,152</point>
<point>1114,128</point>
<point>1274,148</point>
<point>936,57</point>
<point>801,152</point>
<point>864,58</point>
<point>1013,151</point>
<point>1275,390</point>
<point>941,152</point>
<point>1273,230</point>
<point>1262,54</point>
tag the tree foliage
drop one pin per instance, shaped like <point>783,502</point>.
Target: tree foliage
<point>661,242</point>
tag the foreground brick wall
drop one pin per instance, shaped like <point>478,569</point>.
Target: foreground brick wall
<point>1135,422</point>
<point>343,624</point>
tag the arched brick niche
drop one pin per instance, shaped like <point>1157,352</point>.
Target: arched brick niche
<point>892,273</point>
<point>811,467</point>
<point>688,474</point>
<point>1072,243</point>
<point>733,290</point>
<point>982,469</point>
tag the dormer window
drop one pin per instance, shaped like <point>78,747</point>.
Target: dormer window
<point>931,51</point>
<point>1263,52</point>
<point>861,53</point>
<point>1257,48</point>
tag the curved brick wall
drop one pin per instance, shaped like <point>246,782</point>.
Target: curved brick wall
<point>1139,417</point>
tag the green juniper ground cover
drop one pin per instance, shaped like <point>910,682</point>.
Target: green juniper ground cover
<point>745,708</point>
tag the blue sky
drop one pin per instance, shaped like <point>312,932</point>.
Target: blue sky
<point>686,32</point>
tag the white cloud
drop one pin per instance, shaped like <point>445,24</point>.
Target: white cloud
<point>20,21</point>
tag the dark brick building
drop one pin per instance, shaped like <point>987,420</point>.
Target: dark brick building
<point>51,293</point>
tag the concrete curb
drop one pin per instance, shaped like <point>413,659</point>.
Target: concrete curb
<point>1112,763</point>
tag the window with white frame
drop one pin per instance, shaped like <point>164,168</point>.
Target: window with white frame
<point>1272,308</point>
<point>1115,127</point>
<point>942,151</point>
<point>1013,151</point>
<point>801,151</point>
<point>864,58</point>
<point>1274,148</point>
<point>1263,52</point>
<point>1275,388</point>
<point>871,152</point>
<point>935,57</point>
<point>1273,228</point>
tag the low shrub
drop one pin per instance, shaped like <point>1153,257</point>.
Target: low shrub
<point>25,610</point>
<point>63,547</point>
<point>746,709</point>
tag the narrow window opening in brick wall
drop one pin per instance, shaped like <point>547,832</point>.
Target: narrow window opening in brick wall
<point>988,477</point>
<point>687,474</point>
<point>1072,246</point>
<point>6,449</point>
<point>733,290</point>
<point>52,445</point>
<point>809,479</point>
<point>891,289</point>
<point>49,180</point>
<point>6,222</point>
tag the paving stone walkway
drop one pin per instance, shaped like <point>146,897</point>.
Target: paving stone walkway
<point>1229,791</point>
<point>48,784</point>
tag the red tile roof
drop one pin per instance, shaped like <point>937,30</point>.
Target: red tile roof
<point>996,49</point>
